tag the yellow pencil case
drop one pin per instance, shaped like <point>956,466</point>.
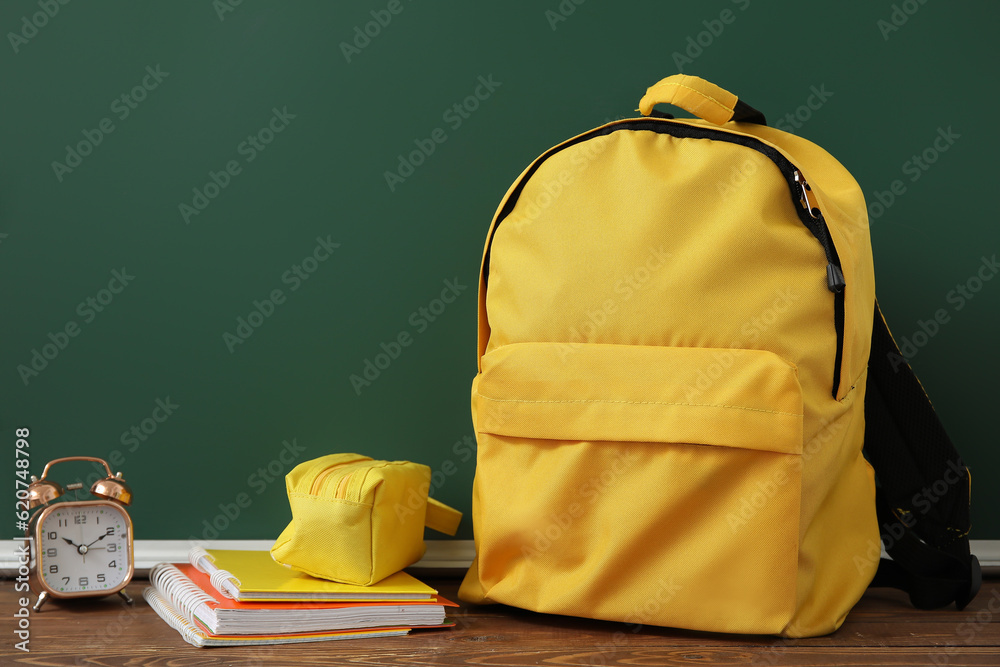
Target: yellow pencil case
<point>356,520</point>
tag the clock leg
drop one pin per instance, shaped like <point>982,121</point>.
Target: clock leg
<point>42,597</point>
<point>125,595</point>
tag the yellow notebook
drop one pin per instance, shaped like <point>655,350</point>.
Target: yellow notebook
<point>253,575</point>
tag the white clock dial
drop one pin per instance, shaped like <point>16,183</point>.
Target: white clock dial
<point>84,549</point>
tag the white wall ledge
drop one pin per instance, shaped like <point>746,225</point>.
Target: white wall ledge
<point>441,554</point>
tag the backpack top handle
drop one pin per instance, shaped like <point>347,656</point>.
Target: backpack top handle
<point>701,98</point>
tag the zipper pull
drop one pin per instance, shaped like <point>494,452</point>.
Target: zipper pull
<point>804,189</point>
<point>834,275</point>
<point>835,278</point>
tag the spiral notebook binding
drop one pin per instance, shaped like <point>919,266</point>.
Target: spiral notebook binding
<point>223,581</point>
<point>163,609</point>
<point>180,591</point>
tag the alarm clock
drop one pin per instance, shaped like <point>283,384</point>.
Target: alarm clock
<point>79,548</point>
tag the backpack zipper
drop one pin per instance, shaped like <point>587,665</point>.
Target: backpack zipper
<point>834,274</point>
<point>809,215</point>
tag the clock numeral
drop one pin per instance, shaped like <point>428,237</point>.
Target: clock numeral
<point>63,523</point>
<point>110,531</point>
<point>53,536</point>
<point>111,564</point>
<point>65,580</point>
<point>80,519</point>
<point>100,578</point>
<point>53,569</point>
<point>51,553</point>
<point>84,581</point>
<point>111,548</point>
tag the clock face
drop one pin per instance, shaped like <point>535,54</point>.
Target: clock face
<point>84,548</point>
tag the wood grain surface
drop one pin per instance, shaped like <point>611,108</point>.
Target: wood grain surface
<point>882,630</point>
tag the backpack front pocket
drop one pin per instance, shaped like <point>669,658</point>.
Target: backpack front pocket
<point>650,485</point>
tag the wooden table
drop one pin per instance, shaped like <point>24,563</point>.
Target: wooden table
<point>883,629</point>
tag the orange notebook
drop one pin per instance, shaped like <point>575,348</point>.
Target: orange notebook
<point>192,594</point>
<point>195,636</point>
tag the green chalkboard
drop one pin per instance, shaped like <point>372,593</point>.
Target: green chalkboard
<point>238,235</point>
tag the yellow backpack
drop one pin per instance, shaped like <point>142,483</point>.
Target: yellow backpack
<point>685,384</point>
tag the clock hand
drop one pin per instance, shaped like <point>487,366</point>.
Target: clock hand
<point>98,539</point>
<point>70,542</point>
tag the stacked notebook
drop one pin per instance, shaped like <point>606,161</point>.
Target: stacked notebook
<point>234,598</point>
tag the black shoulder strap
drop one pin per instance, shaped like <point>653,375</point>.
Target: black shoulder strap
<point>922,497</point>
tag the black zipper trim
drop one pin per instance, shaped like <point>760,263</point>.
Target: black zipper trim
<point>817,225</point>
